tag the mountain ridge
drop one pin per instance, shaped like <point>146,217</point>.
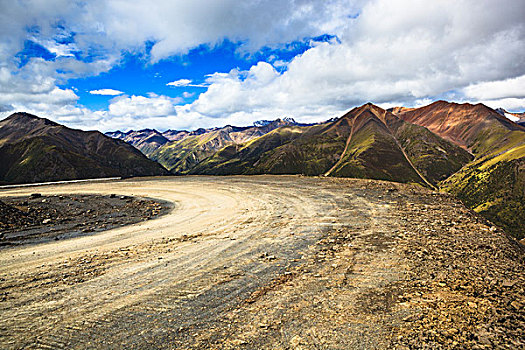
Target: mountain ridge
<point>470,150</point>
<point>361,144</point>
<point>34,149</point>
<point>493,184</point>
<point>180,155</point>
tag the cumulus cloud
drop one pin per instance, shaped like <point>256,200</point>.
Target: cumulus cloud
<point>55,97</point>
<point>143,106</point>
<point>508,88</point>
<point>106,92</point>
<point>509,104</point>
<point>407,52</point>
<point>88,38</point>
<point>173,26</point>
<point>404,52</point>
<point>508,94</point>
<point>179,26</point>
<point>5,108</point>
<point>180,82</point>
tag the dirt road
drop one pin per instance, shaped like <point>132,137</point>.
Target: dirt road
<point>240,262</point>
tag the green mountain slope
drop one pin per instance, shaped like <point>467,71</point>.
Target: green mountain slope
<point>372,150</point>
<point>367,142</point>
<point>288,150</point>
<point>182,155</point>
<point>495,189</point>
<point>34,149</point>
<point>433,156</point>
<point>493,184</point>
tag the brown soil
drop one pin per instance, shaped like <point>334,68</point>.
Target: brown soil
<point>37,218</point>
<point>270,262</point>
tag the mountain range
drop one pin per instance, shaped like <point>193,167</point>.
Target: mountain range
<point>180,151</point>
<point>472,151</point>
<point>367,142</point>
<point>493,184</point>
<point>34,149</point>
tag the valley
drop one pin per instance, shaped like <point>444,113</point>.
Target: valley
<point>269,262</point>
<point>471,151</point>
<point>262,175</point>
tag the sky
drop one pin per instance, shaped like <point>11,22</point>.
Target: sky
<point>178,64</point>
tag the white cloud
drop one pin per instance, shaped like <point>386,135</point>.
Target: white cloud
<point>403,52</point>
<point>173,26</point>
<point>509,104</point>
<point>185,82</point>
<point>180,82</point>
<point>68,114</point>
<point>407,52</point>
<point>55,97</point>
<point>508,94</point>
<point>106,92</point>
<point>138,107</point>
<point>179,26</point>
<point>508,88</point>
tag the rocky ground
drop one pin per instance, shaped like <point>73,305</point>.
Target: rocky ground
<point>36,218</point>
<point>271,262</point>
<point>465,279</point>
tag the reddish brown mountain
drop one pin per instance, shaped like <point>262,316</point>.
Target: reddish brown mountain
<point>477,128</point>
<point>494,183</point>
<point>367,142</point>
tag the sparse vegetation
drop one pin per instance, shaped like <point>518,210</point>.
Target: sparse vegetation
<point>37,150</point>
<point>496,190</point>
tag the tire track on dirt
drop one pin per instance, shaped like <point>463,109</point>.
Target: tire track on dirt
<point>178,276</point>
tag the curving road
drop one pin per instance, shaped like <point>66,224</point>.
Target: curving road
<point>253,262</point>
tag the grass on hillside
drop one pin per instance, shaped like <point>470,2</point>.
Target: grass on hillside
<point>495,189</point>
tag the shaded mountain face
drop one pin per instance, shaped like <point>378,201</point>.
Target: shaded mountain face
<point>34,149</point>
<point>493,184</point>
<point>367,142</point>
<point>182,155</point>
<point>382,142</point>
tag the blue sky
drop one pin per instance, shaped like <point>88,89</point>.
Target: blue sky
<point>135,75</point>
<point>109,64</point>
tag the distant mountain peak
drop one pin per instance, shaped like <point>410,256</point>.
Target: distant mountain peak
<point>260,123</point>
<point>199,131</point>
<point>264,122</point>
<point>518,118</point>
<point>23,115</point>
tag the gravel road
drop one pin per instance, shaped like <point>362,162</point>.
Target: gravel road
<point>240,262</point>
